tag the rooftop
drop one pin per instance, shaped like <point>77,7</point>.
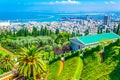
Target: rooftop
<point>97,38</point>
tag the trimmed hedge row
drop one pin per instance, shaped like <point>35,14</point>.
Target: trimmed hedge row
<point>67,56</point>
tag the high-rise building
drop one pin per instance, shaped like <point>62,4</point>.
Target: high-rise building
<point>107,20</point>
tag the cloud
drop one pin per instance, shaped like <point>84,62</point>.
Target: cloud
<point>63,2</point>
<point>110,2</point>
<point>106,2</point>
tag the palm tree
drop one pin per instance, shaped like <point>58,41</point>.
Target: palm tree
<point>30,62</point>
<point>7,62</point>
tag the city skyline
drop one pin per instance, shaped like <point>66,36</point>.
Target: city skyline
<point>57,6</point>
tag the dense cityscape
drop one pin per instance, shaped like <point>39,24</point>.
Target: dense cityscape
<point>71,25</point>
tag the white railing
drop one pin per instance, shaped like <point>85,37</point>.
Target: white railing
<point>5,75</point>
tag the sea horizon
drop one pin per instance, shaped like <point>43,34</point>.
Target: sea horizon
<point>49,17</point>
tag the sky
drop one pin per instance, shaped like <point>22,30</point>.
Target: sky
<point>59,6</point>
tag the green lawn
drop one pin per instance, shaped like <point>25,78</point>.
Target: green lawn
<point>72,69</point>
<point>3,52</point>
<point>53,70</point>
<point>78,70</point>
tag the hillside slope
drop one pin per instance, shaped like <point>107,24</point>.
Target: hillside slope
<point>109,69</point>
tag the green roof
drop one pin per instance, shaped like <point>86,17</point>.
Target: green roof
<point>90,39</point>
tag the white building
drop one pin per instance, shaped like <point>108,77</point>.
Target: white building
<point>4,23</point>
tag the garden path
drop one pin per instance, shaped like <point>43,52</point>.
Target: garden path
<point>5,50</point>
<point>61,67</point>
<point>101,55</point>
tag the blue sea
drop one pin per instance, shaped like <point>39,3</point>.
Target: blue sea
<point>44,17</point>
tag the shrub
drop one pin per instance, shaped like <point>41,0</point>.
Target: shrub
<point>55,59</point>
<point>66,48</point>
<point>1,71</point>
<point>58,51</point>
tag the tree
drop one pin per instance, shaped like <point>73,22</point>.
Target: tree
<point>41,31</point>
<point>26,32</point>
<point>10,33</point>
<point>54,45</point>
<point>66,48</point>
<point>50,32</point>
<point>62,38</point>
<point>114,30</point>
<point>20,32</point>
<point>23,32</point>
<point>48,49</point>
<point>14,32</point>
<point>86,32</point>
<point>98,31</point>
<point>107,30</point>
<point>34,32</point>
<point>57,31</point>
<point>101,31</point>
<point>46,31</point>
<point>30,62</point>
<point>118,30</point>
<point>58,51</point>
<point>7,62</point>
